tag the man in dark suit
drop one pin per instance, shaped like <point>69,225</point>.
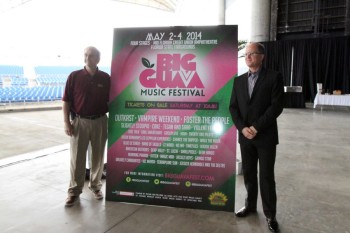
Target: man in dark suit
<point>256,102</point>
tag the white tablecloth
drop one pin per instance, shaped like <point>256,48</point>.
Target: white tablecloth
<point>337,100</point>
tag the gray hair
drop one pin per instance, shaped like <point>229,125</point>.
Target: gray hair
<point>259,46</point>
<point>94,49</point>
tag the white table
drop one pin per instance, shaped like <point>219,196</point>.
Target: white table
<point>334,100</point>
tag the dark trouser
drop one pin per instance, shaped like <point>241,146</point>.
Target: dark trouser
<point>266,156</point>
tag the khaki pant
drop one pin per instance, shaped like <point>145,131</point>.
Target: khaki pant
<point>85,132</point>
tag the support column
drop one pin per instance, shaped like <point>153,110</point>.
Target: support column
<point>273,22</point>
<point>261,16</point>
<point>347,19</point>
<point>222,11</point>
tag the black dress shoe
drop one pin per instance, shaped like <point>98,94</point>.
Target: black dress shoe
<point>272,224</point>
<point>244,212</point>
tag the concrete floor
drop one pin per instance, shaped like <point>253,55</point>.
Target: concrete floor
<point>312,177</point>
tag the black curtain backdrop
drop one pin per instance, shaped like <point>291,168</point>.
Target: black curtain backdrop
<point>319,60</point>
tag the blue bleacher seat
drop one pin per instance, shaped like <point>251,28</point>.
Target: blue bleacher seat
<point>50,79</point>
<point>29,94</point>
<point>11,71</point>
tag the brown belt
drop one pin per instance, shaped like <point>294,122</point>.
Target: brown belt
<point>93,117</point>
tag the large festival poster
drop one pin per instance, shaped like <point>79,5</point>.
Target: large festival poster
<point>171,138</point>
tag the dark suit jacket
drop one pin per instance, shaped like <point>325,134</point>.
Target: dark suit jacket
<point>261,110</point>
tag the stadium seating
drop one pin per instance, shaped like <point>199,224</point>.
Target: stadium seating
<point>11,71</point>
<point>50,82</point>
<point>30,94</point>
<point>16,81</point>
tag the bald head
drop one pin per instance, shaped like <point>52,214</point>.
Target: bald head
<point>93,50</point>
<point>91,57</point>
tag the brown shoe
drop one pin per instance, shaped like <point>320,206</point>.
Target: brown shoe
<point>71,200</point>
<point>98,195</point>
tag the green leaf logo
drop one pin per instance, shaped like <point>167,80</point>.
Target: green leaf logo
<point>146,63</point>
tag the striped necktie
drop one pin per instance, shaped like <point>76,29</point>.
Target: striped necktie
<point>251,82</point>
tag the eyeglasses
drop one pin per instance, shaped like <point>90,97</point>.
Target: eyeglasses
<point>251,54</point>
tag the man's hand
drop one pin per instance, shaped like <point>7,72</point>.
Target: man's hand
<point>68,128</point>
<point>249,132</point>
<point>253,129</point>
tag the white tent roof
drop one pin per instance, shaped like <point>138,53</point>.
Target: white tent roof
<point>167,5</point>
